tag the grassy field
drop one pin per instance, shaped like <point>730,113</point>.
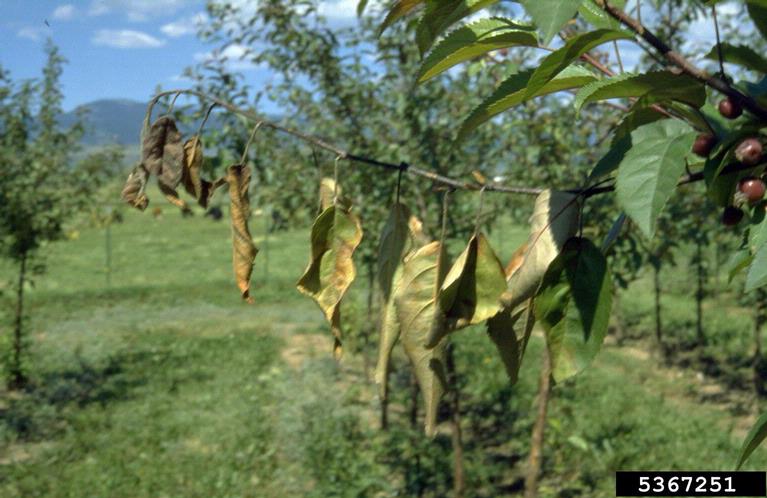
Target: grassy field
<point>163,384</point>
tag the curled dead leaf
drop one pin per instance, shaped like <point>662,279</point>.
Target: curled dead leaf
<point>162,152</point>
<point>243,249</point>
<point>134,190</point>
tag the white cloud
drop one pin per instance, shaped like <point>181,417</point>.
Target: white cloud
<point>30,33</point>
<point>137,10</point>
<point>184,26</point>
<point>64,12</point>
<point>236,57</point>
<point>126,38</point>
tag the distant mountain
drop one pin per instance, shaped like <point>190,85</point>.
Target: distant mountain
<point>110,121</point>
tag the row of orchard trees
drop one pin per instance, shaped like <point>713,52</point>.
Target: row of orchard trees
<point>42,188</point>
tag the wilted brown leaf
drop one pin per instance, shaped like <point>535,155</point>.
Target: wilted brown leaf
<point>472,288</point>
<point>134,190</point>
<point>243,249</point>
<point>554,221</point>
<point>162,152</point>
<point>415,299</point>
<point>336,233</point>
<point>195,185</point>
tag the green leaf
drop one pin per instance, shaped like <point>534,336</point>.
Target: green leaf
<point>392,247</point>
<point>740,55</point>
<point>473,40</point>
<point>361,5</point>
<point>739,261</point>
<point>655,86</point>
<point>440,15</point>
<point>754,438</point>
<point>573,306</point>
<point>650,170</point>
<point>512,93</point>
<point>471,291</point>
<point>550,15</point>
<point>400,9</point>
<point>389,335</point>
<point>597,17</point>
<point>557,61</point>
<point>757,9</point>
<point>554,221</point>
<point>757,272</point>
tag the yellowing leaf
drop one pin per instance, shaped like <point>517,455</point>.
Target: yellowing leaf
<point>554,221</point>
<point>243,249</point>
<point>389,335</point>
<point>472,288</point>
<point>516,260</point>
<point>415,300</point>
<point>134,190</point>
<point>328,192</point>
<point>336,233</point>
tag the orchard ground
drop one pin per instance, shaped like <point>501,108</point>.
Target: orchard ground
<point>165,384</point>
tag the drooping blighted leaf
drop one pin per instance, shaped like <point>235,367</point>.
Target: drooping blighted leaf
<point>512,93</point>
<point>560,59</point>
<point>439,16</point>
<point>336,233</point>
<point>516,261</point>
<point>195,185</point>
<point>741,55</point>
<point>243,249</point>
<point>400,9</point>
<point>757,10</point>
<point>135,186</point>
<point>162,151</point>
<point>652,87</point>
<point>475,39</point>
<point>328,192</point>
<point>471,291</point>
<point>573,306</point>
<point>550,15</point>
<point>554,221</point>
<point>394,244</point>
<point>511,345</point>
<point>417,313</point>
<point>392,247</point>
<point>753,439</point>
<point>650,170</point>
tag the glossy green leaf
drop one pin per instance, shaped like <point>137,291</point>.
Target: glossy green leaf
<point>573,306</point>
<point>650,170</point>
<point>472,289</point>
<point>757,10</point>
<point>622,142</point>
<point>442,14</point>
<point>754,438</point>
<point>741,55</point>
<point>655,86</point>
<point>757,272</point>
<point>550,15</point>
<point>473,40</point>
<point>400,9</point>
<point>417,314</point>
<point>560,59</point>
<point>512,93</point>
<point>596,15</point>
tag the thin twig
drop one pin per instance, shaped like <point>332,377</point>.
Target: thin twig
<point>686,66</point>
<point>718,43</point>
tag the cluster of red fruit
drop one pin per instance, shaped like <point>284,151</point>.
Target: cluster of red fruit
<point>748,152</point>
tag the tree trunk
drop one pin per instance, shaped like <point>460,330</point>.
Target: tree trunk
<point>536,443</point>
<point>658,322</point>
<point>699,294</point>
<point>459,479</point>
<point>17,378</point>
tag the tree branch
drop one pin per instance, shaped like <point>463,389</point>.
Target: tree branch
<point>686,66</point>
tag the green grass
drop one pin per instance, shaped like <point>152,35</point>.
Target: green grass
<point>164,384</point>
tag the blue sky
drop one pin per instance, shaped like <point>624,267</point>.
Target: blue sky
<point>126,48</point>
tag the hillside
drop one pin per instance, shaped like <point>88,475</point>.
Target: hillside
<point>111,121</point>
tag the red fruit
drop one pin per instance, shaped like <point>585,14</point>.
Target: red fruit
<point>703,145</point>
<point>730,109</point>
<point>749,151</point>
<point>752,188</point>
<point>731,216</point>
